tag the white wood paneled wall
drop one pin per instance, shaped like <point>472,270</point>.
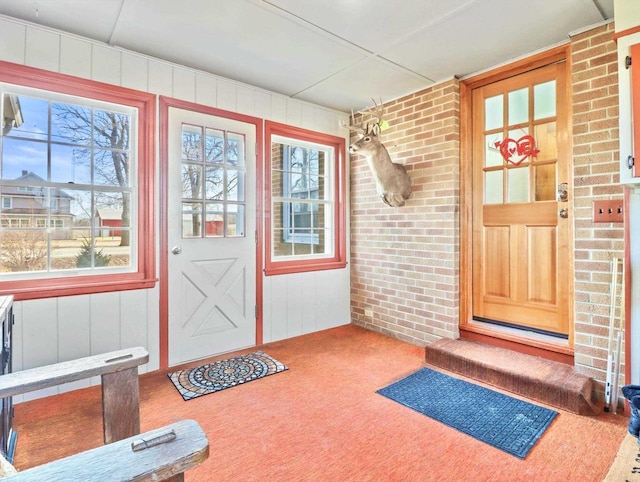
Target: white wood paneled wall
<point>60,329</point>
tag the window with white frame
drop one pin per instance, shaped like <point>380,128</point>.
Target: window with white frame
<point>65,154</point>
<point>306,196</point>
<point>306,221</point>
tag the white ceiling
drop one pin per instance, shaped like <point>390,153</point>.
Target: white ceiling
<point>336,53</point>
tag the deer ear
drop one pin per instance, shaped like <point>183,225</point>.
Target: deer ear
<point>375,130</point>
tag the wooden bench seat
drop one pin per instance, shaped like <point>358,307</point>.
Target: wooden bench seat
<point>120,391</point>
<point>160,454</point>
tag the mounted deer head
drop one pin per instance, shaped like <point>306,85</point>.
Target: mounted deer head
<point>393,184</point>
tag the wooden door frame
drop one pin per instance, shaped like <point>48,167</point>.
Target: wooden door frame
<point>545,349</point>
<point>165,104</point>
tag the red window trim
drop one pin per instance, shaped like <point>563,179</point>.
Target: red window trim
<point>145,102</point>
<point>339,259</point>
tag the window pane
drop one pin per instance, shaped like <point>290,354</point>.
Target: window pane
<point>235,185</point>
<point>235,220</point>
<point>215,183</point>
<point>70,164</point>
<point>298,185</point>
<point>544,100</point>
<point>277,157</point>
<point>277,215</point>
<point>214,143</point>
<point>71,124</point>
<point>191,220</point>
<point>493,112</point>
<point>322,216</point>
<point>30,116</point>
<point>302,242</point>
<point>84,253</point>
<point>303,215</point>
<point>546,182</point>
<point>191,181</point>
<point>279,246</point>
<point>111,130</point>
<point>320,246</point>
<point>80,206</point>
<point>111,168</point>
<point>518,180</point>
<point>214,220</point>
<point>23,250</point>
<point>113,215</point>
<point>235,149</point>
<point>519,106</point>
<point>492,156</point>
<point>278,179</point>
<point>24,160</point>
<point>191,143</point>
<point>493,187</point>
<point>546,141</point>
<point>298,159</point>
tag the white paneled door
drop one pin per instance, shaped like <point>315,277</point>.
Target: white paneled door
<point>211,235</point>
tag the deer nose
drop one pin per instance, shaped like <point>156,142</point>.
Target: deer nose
<point>353,149</point>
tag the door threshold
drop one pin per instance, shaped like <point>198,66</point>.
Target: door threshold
<point>537,344</point>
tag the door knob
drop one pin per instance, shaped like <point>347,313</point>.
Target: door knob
<point>563,213</point>
<point>176,250</point>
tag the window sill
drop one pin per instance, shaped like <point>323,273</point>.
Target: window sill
<point>301,267</point>
<point>56,287</point>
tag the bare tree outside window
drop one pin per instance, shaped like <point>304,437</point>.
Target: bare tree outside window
<point>66,180</point>
<point>105,136</point>
<point>209,180</point>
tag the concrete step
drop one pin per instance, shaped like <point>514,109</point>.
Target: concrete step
<point>546,381</point>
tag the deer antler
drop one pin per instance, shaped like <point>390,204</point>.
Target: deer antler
<point>373,126</point>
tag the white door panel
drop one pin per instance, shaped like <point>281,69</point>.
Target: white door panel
<point>211,226</point>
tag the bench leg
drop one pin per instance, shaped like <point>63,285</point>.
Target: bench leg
<point>120,405</point>
<point>176,478</point>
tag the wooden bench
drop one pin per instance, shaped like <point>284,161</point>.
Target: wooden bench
<point>120,391</point>
<point>161,454</point>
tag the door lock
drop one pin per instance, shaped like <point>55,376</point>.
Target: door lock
<point>562,193</point>
<point>176,250</point>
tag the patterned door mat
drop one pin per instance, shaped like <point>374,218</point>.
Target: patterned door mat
<point>507,423</point>
<point>213,377</point>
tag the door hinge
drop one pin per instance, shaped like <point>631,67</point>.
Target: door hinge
<point>255,311</point>
<point>256,236</point>
<point>627,62</point>
<point>630,162</point>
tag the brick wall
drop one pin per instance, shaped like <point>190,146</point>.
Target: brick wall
<point>596,176</point>
<point>405,261</point>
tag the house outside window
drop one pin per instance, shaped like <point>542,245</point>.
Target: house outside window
<point>306,219</point>
<point>66,154</point>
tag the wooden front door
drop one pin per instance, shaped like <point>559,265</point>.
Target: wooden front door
<point>521,210</point>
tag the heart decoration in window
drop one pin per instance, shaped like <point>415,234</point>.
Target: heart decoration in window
<point>517,151</point>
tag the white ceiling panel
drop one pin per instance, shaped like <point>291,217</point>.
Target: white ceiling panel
<point>371,24</point>
<point>489,33</point>
<point>238,40</point>
<point>356,86</point>
<point>339,53</point>
<point>92,19</point>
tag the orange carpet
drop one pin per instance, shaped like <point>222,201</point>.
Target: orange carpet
<point>322,421</point>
